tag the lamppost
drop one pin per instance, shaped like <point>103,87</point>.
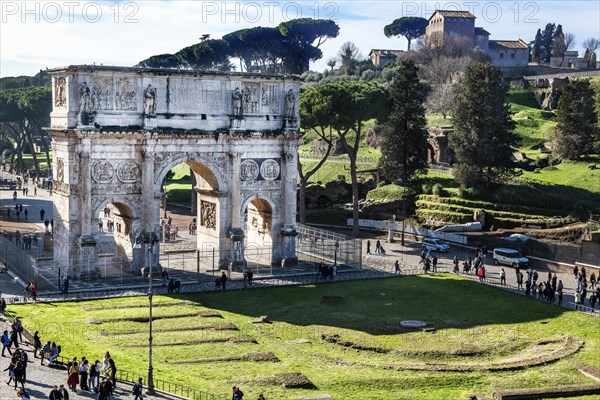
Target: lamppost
<point>402,240</point>
<point>336,247</point>
<point>150,239</point>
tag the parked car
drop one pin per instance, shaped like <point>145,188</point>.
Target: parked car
<point>509,257</point>
<point>434,244</point>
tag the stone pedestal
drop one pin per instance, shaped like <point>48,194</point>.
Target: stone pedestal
<point>137,260</point>
<point>47,241</point>
<point>390,237</point>
<point>238,262</point>
<point>288,235</point>
<point>88,269</point>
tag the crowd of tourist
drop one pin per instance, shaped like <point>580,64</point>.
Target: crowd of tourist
<point>98,377</point>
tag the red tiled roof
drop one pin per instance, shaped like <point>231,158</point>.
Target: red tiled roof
<point>453,13</point>
<point>508,44</point>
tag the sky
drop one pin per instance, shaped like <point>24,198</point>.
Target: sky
<point>36,35</point>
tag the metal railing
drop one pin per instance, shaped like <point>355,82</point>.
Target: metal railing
<point>318,245</point>
<point>19,262</point>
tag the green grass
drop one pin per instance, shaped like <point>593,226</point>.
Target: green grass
<point>439,120</point>
<point>491,325</point>
<point>334,167</point>
<point>571,173</point>
<point>390,192</point>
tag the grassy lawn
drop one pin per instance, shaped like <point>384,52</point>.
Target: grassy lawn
<point>334,167</point>
<point>571,173</point>
<point>476,326</point>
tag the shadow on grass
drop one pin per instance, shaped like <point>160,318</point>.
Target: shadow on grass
<point>378,306</point>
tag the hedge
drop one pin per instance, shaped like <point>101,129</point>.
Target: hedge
<point>487,205</point>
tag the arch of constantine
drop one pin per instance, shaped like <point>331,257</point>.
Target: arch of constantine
<point>117,132</point>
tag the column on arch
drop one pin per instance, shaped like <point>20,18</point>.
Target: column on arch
<point>288,232</point>
<point>236,233</point>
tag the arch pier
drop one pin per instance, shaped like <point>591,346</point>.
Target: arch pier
<point>117,131</point>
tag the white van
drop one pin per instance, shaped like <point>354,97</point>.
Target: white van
<point>509,257</point>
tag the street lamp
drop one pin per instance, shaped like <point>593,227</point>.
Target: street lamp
<point>150,239</point>
<point>402,240</point>
<point>336,247</point>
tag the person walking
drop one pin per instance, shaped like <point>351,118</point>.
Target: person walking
<point>73,379</point>
<point>112,368</point>
<point>368,247</point>
<point>105,364</point>
<point>137,390</point>
<point>434,262</point>
<point>14,337</point>
<point>83,372</point>
<point>237,394</point>
<point>37,343</point>
<point>64,393</point>
<point>223,280</point>
<point>503,277</point>
<point>94,375</point>
<point>19,374</point>
<point>397,268</point>
<point>54,394</point>
<point>65,286</point>
<point>6,343</point>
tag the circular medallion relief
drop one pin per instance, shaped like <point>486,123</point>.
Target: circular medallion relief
<point>103,172</point>
<point>269,170</point>
<point>249,170</point>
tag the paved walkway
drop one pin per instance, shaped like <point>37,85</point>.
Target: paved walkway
<point>40,380</point>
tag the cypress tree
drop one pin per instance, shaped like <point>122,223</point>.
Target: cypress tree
<point>577,119</point>
<point>404,135</point>
<point>483,137</point>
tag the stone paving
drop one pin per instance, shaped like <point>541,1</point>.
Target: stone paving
<point>40,380</point>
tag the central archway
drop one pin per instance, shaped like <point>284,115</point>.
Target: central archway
<point>200,209</point>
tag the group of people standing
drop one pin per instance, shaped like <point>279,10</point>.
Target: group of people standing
<point>583,284</point>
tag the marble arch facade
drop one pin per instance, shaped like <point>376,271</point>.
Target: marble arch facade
<point>117,131</point>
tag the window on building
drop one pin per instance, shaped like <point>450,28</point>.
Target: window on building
<point>512,56</point>
<point>501,55</point>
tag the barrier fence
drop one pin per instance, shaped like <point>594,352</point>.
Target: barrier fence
<point>316,245</point>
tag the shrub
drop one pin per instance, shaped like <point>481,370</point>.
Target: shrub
<point>438,190</point>
<point>426,188</point>
<point>368,75</point>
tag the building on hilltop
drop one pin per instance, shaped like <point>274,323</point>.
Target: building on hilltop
<point>509,53</point>
<point>444,23</point>
<point>450,23</point>
<point>380,57</point>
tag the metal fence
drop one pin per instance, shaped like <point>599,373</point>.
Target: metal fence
<point>318,245</point>
<point>258,258</point>
<point>19,262</point>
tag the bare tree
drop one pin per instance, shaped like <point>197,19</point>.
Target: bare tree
<point>441,98</point>
<point>444,69</point>
<point>332,63</point>
<point>349,55</point>
<point>590,45</point>
<point>570,41</point>
<point>567,41</point>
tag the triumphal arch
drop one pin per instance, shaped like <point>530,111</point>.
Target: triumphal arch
<point>117,132</point>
